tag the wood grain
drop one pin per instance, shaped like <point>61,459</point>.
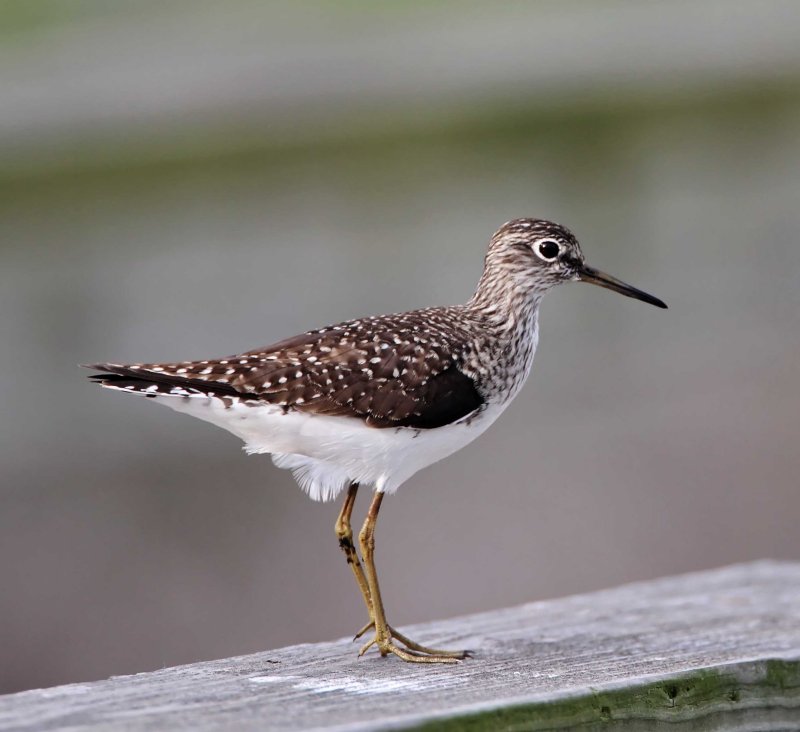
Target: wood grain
<point>710,650</point>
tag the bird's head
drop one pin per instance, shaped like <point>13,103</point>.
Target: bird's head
<point>540,254</point>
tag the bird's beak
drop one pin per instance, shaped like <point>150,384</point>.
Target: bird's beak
<point>596,277</point>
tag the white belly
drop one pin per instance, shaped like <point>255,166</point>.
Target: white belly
<point>327,453</point>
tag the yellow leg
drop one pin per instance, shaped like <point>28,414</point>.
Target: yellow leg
<point>384,634</point>
<point>344,533</point>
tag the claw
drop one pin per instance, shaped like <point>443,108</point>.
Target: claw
<point>368,626</point>
<point>413,657</point>
<point>413,652</point>
<point>413,646</point>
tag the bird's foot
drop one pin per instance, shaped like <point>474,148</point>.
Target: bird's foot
<point>413,652</point>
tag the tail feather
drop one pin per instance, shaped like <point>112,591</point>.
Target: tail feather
<point>139,380</point>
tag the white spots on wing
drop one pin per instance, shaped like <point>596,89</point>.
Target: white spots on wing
<point>355,361</point>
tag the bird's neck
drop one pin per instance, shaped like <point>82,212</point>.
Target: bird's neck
<point>506,302</point>
<point>507,309</point>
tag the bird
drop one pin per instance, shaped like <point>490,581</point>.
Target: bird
<point>371,401</point>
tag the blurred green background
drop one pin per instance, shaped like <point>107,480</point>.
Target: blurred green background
<point>191,179</point>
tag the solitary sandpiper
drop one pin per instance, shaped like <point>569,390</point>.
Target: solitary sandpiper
<point>372,401</point>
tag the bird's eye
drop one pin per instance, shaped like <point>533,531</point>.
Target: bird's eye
<point>547,249</point>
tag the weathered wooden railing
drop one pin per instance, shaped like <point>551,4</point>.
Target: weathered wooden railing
<point>712,650</point>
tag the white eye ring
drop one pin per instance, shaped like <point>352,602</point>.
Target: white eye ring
<point>549,256</point>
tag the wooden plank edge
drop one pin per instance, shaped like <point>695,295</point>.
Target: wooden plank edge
<point>762,695</point>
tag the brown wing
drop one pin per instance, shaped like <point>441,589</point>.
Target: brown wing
<point>392,371</point>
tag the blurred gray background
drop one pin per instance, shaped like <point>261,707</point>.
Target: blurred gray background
<point>191,179</point>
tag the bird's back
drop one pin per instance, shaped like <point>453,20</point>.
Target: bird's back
<point>401,370</point>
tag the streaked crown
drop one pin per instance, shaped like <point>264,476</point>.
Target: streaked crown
<point>541,251</point>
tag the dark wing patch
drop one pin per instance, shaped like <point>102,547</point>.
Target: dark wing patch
<point>390,371</point>
<point>447,397</point>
